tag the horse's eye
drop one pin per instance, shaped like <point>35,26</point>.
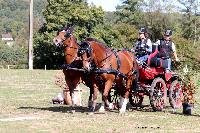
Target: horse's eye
<point>68,34</point>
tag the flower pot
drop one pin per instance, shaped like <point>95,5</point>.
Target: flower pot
<point>187,108</point>
<point>77,96</point>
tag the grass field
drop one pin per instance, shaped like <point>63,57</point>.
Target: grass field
<point>25,106</point>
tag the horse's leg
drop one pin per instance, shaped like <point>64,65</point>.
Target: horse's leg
<point>94,102</point>
<point>79,95</point>
<point>71,89</point>
<point>90,100</point>
<point>108,85</point>
<point>72,82</point>
<point>86,78</point>
<point>124,100</point>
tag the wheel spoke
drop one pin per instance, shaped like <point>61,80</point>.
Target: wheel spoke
<point>158,95</point>
<point>176,94</point>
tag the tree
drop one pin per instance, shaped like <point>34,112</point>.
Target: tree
<point>12,55</point>
<point>57,14</point>
<point>129,11</point>
<point>191,19</point>
<point>159,15</point>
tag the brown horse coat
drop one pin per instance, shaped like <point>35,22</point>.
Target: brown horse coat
<point>110,65</point>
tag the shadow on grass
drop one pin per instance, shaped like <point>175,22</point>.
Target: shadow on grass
<point>147,108</point>
<point>63,109</point>
<point>81,109</point>
<point>176,113</point>
<point>143,108</point>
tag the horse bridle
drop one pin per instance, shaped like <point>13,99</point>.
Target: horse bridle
<point>85,48</point>
<point>67,35</point>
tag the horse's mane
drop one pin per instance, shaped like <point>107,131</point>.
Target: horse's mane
<point>99,42</point>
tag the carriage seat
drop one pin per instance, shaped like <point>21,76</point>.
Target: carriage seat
<point>152,60</point>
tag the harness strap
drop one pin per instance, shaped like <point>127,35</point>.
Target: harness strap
<point>118,60</point>
<point>72,67</point>
<point>110,71</point>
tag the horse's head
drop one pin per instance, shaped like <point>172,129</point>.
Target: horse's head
<point>63,37</point>
<point>85,52</point>
<point>94,54</point>
<point>67,41</point>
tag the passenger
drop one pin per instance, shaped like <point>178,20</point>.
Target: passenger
<point>165,50</point>
<point>143,46</point>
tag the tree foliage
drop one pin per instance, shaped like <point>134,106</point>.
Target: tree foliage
<point>59,13</point>
<point>12,55</point>
<point>190,19</point>
<point>129,12</point>
<point>117,29</point>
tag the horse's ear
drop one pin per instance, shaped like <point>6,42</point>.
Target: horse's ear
<point>72,28</point>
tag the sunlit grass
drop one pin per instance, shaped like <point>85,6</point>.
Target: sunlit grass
<point>25,94</point>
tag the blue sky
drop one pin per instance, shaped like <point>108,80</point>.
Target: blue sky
<point>107,5</point>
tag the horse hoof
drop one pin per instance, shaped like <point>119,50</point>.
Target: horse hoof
<point>90,113</point>
<point>57,101</point>
<point>111,106</point>
<point>121,111</point>
<point>101,110</point>
<point>173,111</point>
<point>90,104</point>
<point>72,111</point>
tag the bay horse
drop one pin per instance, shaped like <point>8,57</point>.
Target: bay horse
<point>111,67</point>
<point>73,64</point>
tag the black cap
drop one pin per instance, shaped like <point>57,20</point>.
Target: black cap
<point>168,33</point>
<point>142,30</point>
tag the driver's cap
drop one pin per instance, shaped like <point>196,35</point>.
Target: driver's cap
<point>142,30</point>
<point>168,33</point>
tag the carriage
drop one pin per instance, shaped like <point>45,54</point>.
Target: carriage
<point>158,85</point>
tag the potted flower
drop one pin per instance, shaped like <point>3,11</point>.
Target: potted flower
<point>189,90</point>
<point>188,97</point>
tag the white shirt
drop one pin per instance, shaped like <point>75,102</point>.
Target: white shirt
<point>148,43</point>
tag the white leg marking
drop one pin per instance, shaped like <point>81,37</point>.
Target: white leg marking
<point>102,108</point>
<point>123,108</point>
<point>79,95</point>
<point>111,106</point>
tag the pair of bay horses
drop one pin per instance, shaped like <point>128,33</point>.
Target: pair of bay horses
<point>103,68</point>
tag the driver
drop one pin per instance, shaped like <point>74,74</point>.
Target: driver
<point>143,46</point>
<point>165,50</point>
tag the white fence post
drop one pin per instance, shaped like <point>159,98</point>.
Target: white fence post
<point>11,66</point>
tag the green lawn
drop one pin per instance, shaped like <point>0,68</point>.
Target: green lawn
<point>25,106</point>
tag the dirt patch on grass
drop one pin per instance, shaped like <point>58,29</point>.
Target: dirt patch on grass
<point>21,118</point>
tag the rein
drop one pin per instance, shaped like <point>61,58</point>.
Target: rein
<point>105,59</point>
<point>72,67</point>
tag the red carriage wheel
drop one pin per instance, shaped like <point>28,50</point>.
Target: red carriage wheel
<point>158,94</point>
<point>175,94</point>
<point>135,99</point>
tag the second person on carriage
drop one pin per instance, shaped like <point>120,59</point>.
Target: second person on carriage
<point>143,46</point>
